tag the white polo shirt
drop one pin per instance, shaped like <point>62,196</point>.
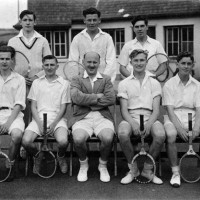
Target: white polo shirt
<point>151,45</point>
<point>184,98</point>
<point>102,44</point>
<point>12,91</point>
<point>50,95</point>
<point>139,96</point>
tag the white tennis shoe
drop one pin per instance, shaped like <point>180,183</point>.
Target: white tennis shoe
<point>175,180</point>
<point>104,175</point>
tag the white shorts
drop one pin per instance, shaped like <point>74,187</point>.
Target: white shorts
<point>183,123</point>
<point>50,118</point>
<point>17,123</point>
<point>93,123</point>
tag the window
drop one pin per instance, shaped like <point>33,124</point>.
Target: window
<point>118,38</point>
<point>48,36</point>
<point>178,38</point>
<point>57,42</point>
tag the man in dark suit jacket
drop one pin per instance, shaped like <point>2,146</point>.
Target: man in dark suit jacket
<point>91,95</point>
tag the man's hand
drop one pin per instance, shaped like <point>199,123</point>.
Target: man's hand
<point>28,81</point>
<point>4,128</point>
<point>51,128</point>
<point>147,129</point>
<point>136,128</point>
<point>99,95</point>
<point>183,134</point>
<point>195,132</point>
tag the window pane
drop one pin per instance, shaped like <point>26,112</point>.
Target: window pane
<point>170,52</point>
<point>184,34</point>
<point>117,36</point>
<point>175,34</point>
<point>169,34</point>
<point>57,52</point>
<point>175,46</point>
<point>62,50</point>
<point>122,35</point>
<point>190,34</point>
<point>190,46</point>
<point>184,46</point>
<point>56,37</point>
<point>62,37</point>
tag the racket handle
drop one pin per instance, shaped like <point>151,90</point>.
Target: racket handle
<point>190,121</point>
<point>141,122</point>
<point>45,122</point>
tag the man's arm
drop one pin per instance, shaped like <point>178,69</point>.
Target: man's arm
<point>196,128</point>
<point>57,119</point>
<point>161,69</point>
<point>111,66</point>
<point>5,127</point>
<point>127,117</point>
<point>46,49</point>
<point>80,98</point>
<point>74,50</point>
<point>123,70</point>
<point>154,115</point>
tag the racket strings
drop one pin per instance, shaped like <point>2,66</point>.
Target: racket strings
<point>5,167</point>
<point>45,164</point>
<point>146,169</point>
<point>189,168</point>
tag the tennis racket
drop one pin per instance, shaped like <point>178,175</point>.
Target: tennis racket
<point>22,64</point>
<point>45,162</point>
<point>165,75</point>
<point>5,164</point>
<point>189,169</point>
<point>72,68</point>
<point>143,159</point>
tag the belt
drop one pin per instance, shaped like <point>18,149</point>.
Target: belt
<point>4,108</point>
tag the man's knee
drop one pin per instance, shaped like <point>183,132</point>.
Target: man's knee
<point>79,137</point>
<point>27,140</point>
<point>16,136</point>
<point>106,136</point>
<point>123,132</point>
<point>62,137</point>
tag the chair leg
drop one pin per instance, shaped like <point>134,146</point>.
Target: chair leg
<point>115,155</point>
<point>71,156</point>
<point>160,165</point>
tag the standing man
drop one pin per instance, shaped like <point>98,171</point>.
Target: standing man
<point>33,45</point>
<point>181,95</point>
<point>12,102</point>
<point>156,65</point>
<point>91,94</point>
<point>140,94</point>
<point>92,38</point>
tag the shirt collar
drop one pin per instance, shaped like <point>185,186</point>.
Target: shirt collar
<point>59,79</point>
<point>35,35</point>
<point>84,32</point>
<point>148,40</point>
<point>178,80</point>
<point>147,74</point>
<point>98,75</point>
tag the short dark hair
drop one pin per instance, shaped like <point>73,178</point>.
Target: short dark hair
<point>185,54</point>
<point>49,57</point>
<point>8,49</point>
<point>140,18</point>
<point>27,12</point>
<point>135,52</point>
<point>91,11</point>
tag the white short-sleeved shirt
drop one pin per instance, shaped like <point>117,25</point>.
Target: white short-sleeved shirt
<point>151,45</point>
<point>102,44</point>
<point>184,98</point>
<point>139,96</point>
<point>50,95</point>
<point>13,91</point>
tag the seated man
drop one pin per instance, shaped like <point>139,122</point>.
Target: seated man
<point>49,94</point>
<point>12,101</point>
<point>140,94</point>
<point>92,94</point>
<point>181,95</point>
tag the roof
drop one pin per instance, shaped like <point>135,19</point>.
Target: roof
<point>64,12</point>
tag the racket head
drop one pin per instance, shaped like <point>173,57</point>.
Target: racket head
<point>21,64</point>
<point>159,56</point>
<point>189,168</point>
<point>45,164</point>
<point>5,167</point>
<point>144,161</point>
<point>72,68</point>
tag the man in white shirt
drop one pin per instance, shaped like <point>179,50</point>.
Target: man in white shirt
<point>12,102</point>
<point>92,38</point>
<point>156,65</point>
<point>181,95</point>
